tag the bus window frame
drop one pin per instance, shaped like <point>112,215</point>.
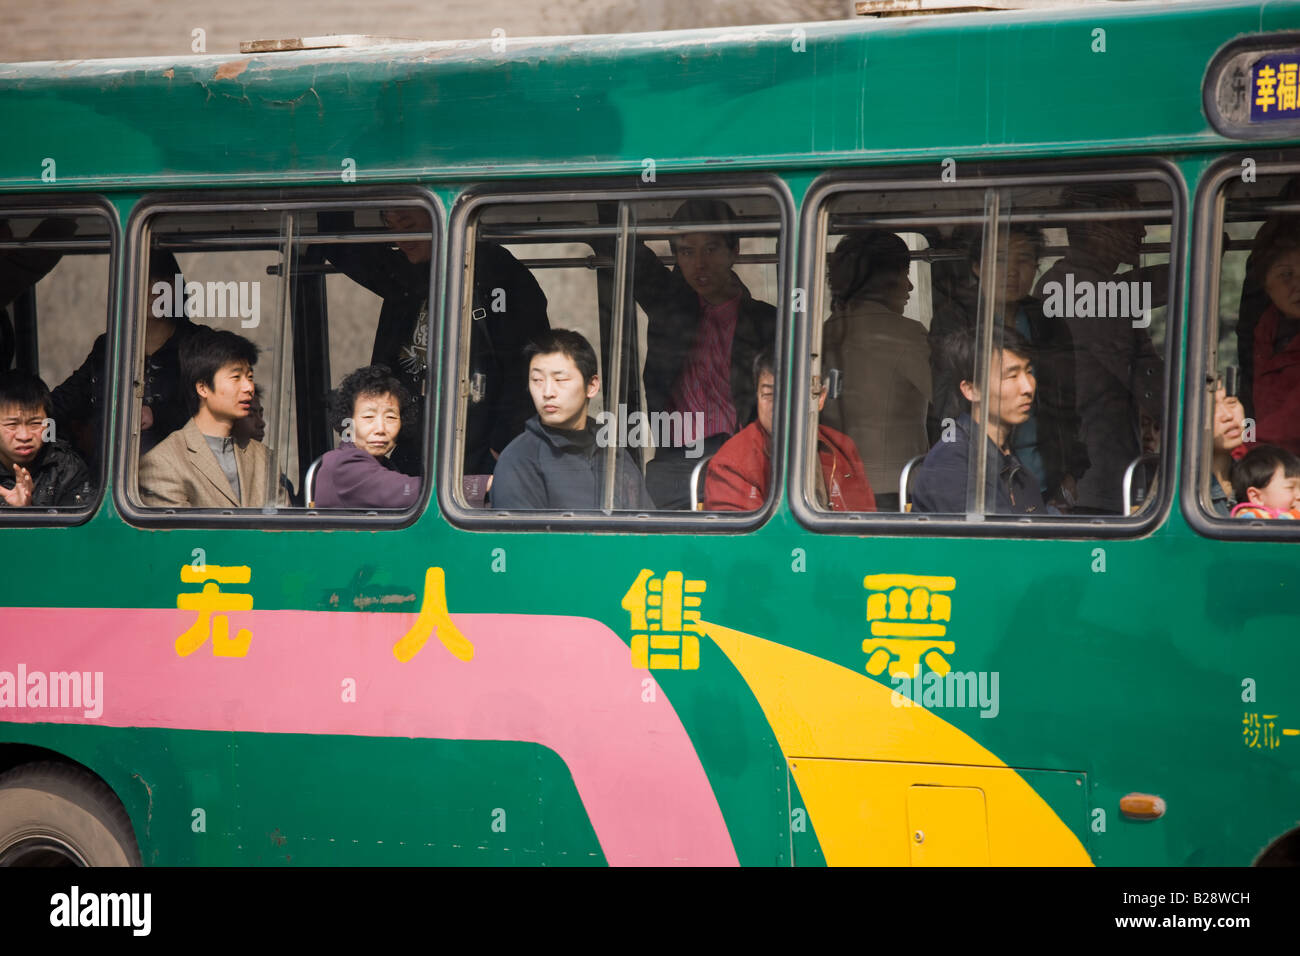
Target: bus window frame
<point>1198,413</point>
<point>89,205</point>
<point>463,221</point>
<point>125,459</point>
<point>979,174</point>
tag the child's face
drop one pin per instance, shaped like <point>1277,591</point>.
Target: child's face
<point>1282,283</point>
<point>1279,493</point>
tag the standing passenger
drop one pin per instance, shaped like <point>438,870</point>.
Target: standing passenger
<point>78,400</point>
<point>1117,369</point>
<point>703,334</point>
<point>1275,265</point>
<point>509,310</point>
<point>883,356</point>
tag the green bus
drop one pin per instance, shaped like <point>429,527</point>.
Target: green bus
<point>782,620</point>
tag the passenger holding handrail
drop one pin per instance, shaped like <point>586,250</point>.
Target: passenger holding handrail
<point>703,334</point>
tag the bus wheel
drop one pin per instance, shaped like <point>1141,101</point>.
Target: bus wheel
<point>55,815</point>
<point>1284,851</point>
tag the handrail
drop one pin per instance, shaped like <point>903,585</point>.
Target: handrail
<point>309,483</point>
<point>1129,472</point>
<point>695,481</point>
<point>903,478</point>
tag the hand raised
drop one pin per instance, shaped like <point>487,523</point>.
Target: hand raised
<point>20,496</point>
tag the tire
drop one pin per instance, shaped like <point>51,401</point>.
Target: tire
<point>56,815</point>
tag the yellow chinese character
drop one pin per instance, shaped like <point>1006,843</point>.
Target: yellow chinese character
<point>212,599</point>
<point>1250,730</point>
<point>1265,84</point>
<point>1286,86</point>
<point>904,655</point>
<point>1270,732</point>
<point>664,610</point>
<point>433,616</point>
<point>908,605</point>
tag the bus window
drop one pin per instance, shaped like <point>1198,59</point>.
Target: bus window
<point>54,281</point>
<point>1048,299</point>
<point>283,352</point>
<point>1250,467</point>
<point>587,388</point>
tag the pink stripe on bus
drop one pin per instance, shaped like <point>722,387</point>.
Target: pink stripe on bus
<point>566,683</point>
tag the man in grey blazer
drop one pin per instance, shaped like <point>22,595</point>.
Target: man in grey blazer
<point>206,464</point>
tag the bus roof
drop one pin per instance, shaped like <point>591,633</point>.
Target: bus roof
<point>1123,78</point>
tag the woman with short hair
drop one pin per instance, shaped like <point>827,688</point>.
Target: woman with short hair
<point>368,409</point>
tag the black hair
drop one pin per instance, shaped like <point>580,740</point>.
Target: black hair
<point>764,361</point>
<point>1096,196</point>
<point>1275,239</point>
<point>956,352</point>
<point>162,265</point>
<point>368,380</point>
<point>24,389</point>
<point>1255,469</point>
<point>860,257</point>
<point>204,353</point>
<point>975,242</point>
<point>706,211</point>
<point>566,342</point>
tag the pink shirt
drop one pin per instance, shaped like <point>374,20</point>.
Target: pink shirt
<point>704,383</point>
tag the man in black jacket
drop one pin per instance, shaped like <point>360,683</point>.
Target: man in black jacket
<point>941,484</point>
<point>509,310</point>
<point>558,463</point>
<point>1048,443</point>
<point>704,332</point>
<point>34,472</point>
<point>78,402</point>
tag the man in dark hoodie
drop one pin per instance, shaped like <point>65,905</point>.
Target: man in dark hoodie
<point>34,472</point>
<point>557,464</point>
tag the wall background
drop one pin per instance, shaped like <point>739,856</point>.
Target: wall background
<point>80,29</point>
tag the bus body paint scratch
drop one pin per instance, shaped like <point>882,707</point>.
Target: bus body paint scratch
<point>561,682</point>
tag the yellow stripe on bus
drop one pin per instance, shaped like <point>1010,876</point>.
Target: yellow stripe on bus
<point>885,784</point>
